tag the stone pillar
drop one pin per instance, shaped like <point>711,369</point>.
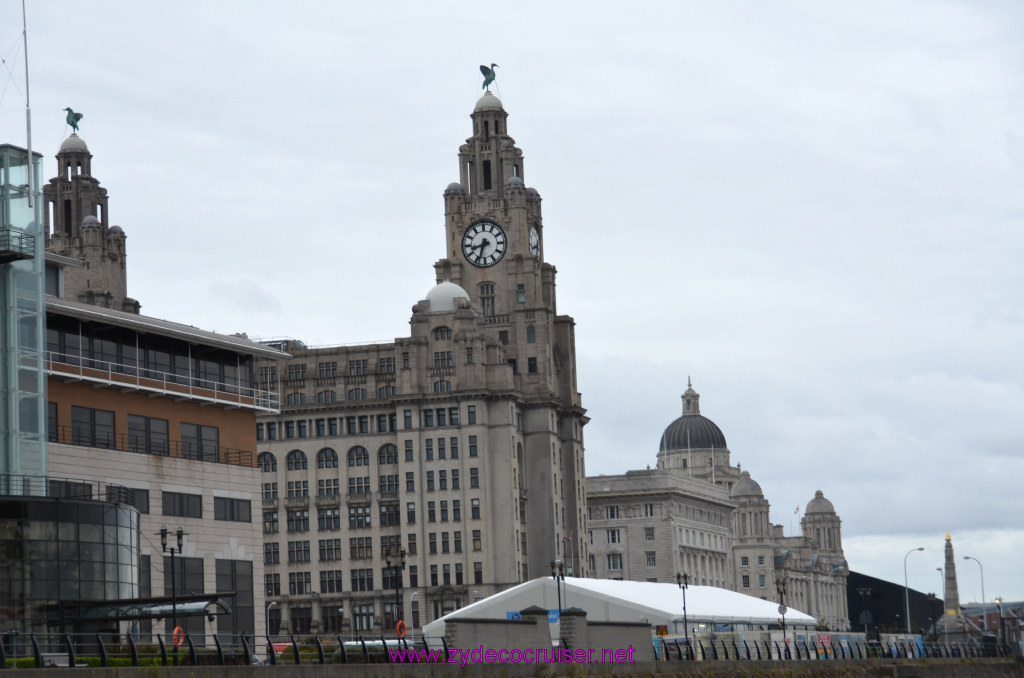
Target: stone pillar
<point>574,628</point>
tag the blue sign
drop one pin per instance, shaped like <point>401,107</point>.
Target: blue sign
<point>513,615</point>
<point>553,616</point>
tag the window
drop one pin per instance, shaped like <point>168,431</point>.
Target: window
<point>296,461</point>
<point>469,356</point>
<point>389,579</point>
<point>270,490</point>
<point>388,391</point>
<point>362,617</point>
<point>267,462</point>
<point>388,483</point>
<point>476,540</point>
<point>148,435</point>
<point>428,418</point>
<point>330,550</point>
<point>650,555</point>
<point>478,573</point>
<point>531,334</point>
<point>760,560</point>
<point>391,544</point>
<point>431,512</point>
<point>746,581</point>
<point>297,398</point>
<point>271,431</point>
<point>455,478</point>
<point>357,368</point>
<point>298,488</point>
<point>299,583</point>
<point>236,510</point>
<point>444,510</point>
<point>760,580</point>
<point>457,537</point>
<point>648,534</point>
<point>430,481</point>
<point>328,518</point>
<point>474,477</point>
<point>442,480</point>
<point>273,582</point>
<point>327,370</point>
<point>648,510</point>
<point>359,516</point>
<point>407,419</point>
<point>613,536</point>
<point>271,553</point>
<point>614,561</point>
<point>362,580</point>
<point>359,485</point>
<point>410,513</point>
<point>442,333</point>
<point>442,359</point>
<point>414,579</point>
<point>445,545</point>
<point>389,514</point>
<point>183,505</point>
<point>327,487</point>
<point>432,542</point>
<point>429,449</point>
<point>360,548</point>
<point>388,454</point>
<point>92,428</point>
<point>408,451</point>
<point>296,372</point>
<point>442,386</point>
<point>410,481</point>
<point>327,458</point>
<point>330,581</point>
<point>441,453</point>
<point>472,446</point>
<point>200,442</point>
<point>386,366</point>
<point>332,426</point>
<point>503,337</point>
<point>357,394</point>
<point>298,551</point>
<point>303,428</point>
<point>471,414</point>
<point>531,365</point>
<point>298,521</point>
<point>405,360</point>
<point>474,508</point>
<point>487,298</point>
<point>611,512</point>
<point>327,396</point>
<point>358,456</point>
<point>744,561</point>
<point>140,500</point>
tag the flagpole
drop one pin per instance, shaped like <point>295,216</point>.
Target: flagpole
<point>28,113</point>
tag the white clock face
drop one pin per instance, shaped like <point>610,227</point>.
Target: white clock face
<point>534,242</point>
<point>484,244</point>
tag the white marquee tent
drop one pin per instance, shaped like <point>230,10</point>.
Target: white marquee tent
<point>611,600</point>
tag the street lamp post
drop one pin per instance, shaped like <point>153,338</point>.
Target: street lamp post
<point>271,604</point>
<point>396,573</point>
<point>558,574</point>
<point>781,590</point>
<point>683,580</point>
<point>945,626</point>
<point>906,585</point>
<point>180,534</point>
<point>984,613</point>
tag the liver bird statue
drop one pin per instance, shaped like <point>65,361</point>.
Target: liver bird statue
<point>488,76</point>
<point>73,118</point>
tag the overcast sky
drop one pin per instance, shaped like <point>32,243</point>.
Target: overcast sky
<point>814,209</point>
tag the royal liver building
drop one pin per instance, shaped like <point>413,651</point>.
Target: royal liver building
<point>457,450</point>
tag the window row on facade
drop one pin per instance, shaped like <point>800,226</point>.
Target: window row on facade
<point>387,422</point>
<point>361,516</point>
<point>362,579</point>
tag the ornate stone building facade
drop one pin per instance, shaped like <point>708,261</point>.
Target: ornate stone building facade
<point>698,514</point>
<point>460,445</point>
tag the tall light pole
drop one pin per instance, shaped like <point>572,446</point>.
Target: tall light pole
<point>906,585</point>
<point>781,590</point>
<point>174,582</point>
<point>558,574</point>
<point>945,627</point>
<point>683,580</point>
<point>396,573</point>
<point>271,604</point>
<point>984,613</point>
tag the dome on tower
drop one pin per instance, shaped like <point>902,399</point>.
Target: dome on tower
<point>514,182</point>
<point>90,222</point>
<point>72,144</point>
<point>116,230</point>
<point>819,504</point>
<point>454,187</point>
<point>746,487</point>
<point>488,102</point>
<point>692,430</point>
<point>442,297</point>
<point>532,192</point>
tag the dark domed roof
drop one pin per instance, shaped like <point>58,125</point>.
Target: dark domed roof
<point>692,430</point>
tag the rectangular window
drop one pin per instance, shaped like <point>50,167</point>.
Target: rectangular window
<point>92,428</point>
<point>476,540</point>
<point>613,536</point>
<point>359,516</point>
<point>407,418</point>
<point>444,511</point>
<point>298,521</point>
<point>389,514</point>
<point>474,477</point>
<point>362,579</point>
<point>328,518</point>
<point>410,513</point>
<point>651,558</point>
<point>321,427</point>
<point>457,536</point>
<point>408,451</point>
<point>648,534</point>
<point>200,442</point>
<point>298,551</point>
<point>760,580</point>
<point>746,581</point>
<point>182,505</point>
<point>442,480</point>
<point>455,478</point>
<point>330,581</point>
<point>474,509</point>
<point>760,560</point>
<point>412,545</point>
<point>236,510</point>
<point>445,545</point>
<point>531,365</point>
<point>330,550</point>
<point>299,583</point>
<point>273,582</point>
<point>428,418</point>
<point>332,426</point>
<point>410,481</point>
<point>432,543</point>
<point>614,561</point>
<point>430,481</point>
<point>431,512</point>
<point>453,445</point>
<point>472,446</point>
<point>471,414</point>
<point>148,435</point>
<point>648,510</point>
<point>478,573</point>
<point>441,417</point>
<point>414,576</point>
<point>271,553</point>
<point>360,548</point>
<point>441,451</point>
<point>428,450</point>
<point>611,512</point>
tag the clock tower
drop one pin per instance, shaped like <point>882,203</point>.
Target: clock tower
<point>494,249</point>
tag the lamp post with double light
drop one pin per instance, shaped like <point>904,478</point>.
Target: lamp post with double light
<point>558,574</point>
<point>180,534</point>
<point>396,574</point>
<point>781,590</point>
<point>683,580</point>
<point>984,613</point>
<point>906,584</point>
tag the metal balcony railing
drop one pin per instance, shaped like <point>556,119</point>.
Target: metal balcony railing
<point>124,442</point>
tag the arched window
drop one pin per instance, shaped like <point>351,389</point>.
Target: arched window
<point>358,456</point>
<point>531,334</point>
<point>267,462</point>
<point>296,399</point>
<point>442,386</point>
<point>357,394</point>
<point>296,460</point>
<point>442,333</point>
<point>327,458</point>
<point>388,454</point>
<point>326,397</point>
<point>386,392</point>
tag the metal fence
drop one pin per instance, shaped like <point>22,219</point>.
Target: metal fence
<point>42,650</point>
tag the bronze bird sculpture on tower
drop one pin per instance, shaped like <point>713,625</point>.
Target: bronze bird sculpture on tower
<point>73,119</point>
<point>488,76</point>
